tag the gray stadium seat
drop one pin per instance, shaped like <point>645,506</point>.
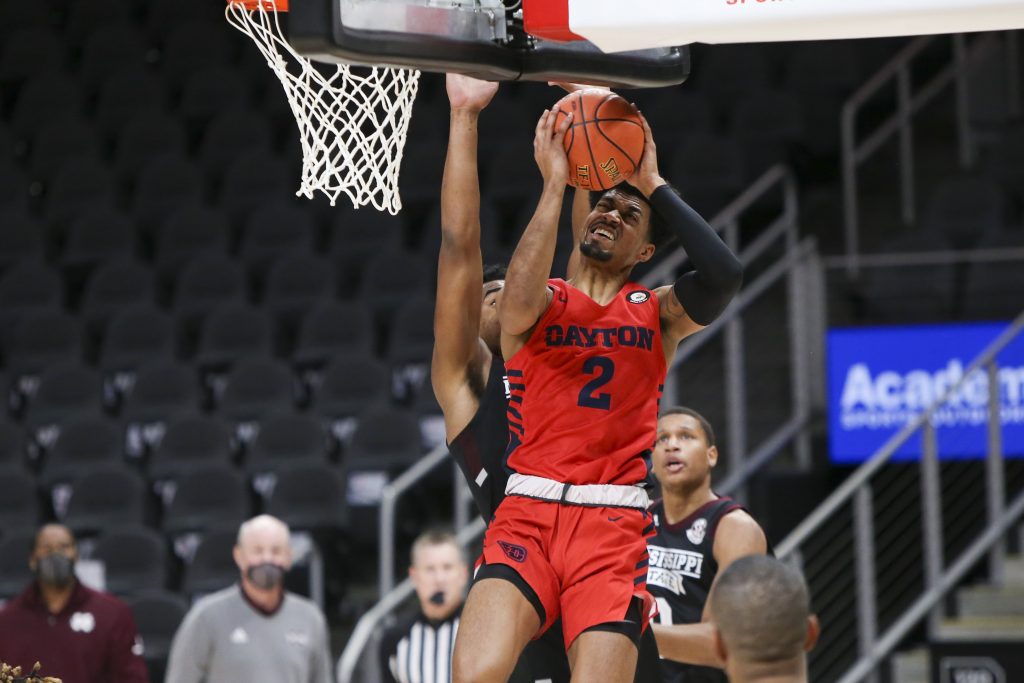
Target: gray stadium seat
<point>331,328</point>
<point>41,339</point>
<point>191,443</point>
<point>106,497</point>
<point>148,135</point>
<point>124,96</point>
<point>231,332</point>
<point>309,498</point>
<point>83,445</point>
<point>287,440</point>
<point>166,183</point>
<point>157,617</point>
<point>192,229</point>
<point>134,560</point>
<point>135,336</point>
<point>19,506</point>
<point>213,492</point>
<point>99,235</point>
<point>114,286</point>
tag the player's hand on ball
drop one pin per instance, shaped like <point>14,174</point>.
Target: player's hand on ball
<point>548,148</point>
<point>469,93</point>
<point>646,178</point>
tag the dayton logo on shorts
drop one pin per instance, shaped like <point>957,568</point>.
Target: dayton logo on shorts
<point>516,553</point>
<point>638,297</point>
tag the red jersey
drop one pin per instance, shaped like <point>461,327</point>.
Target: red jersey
<point>584,389</point>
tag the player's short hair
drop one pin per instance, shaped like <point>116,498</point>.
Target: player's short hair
<point>495,271</point>
<point>434,537</point>
<point>709,433</point>
<point>51,525</point>
<point>760,606</point>
<point>660,234</point>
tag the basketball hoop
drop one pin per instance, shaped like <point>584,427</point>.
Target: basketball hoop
<point>352,125</point>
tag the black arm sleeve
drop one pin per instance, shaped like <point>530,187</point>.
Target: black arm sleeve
<point>705,291</point>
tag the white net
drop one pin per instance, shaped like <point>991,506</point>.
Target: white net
<point>352,121</point>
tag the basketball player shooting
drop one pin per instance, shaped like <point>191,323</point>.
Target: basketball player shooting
<point>586,361</point>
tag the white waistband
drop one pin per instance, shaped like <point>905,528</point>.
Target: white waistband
<point>595,495</point>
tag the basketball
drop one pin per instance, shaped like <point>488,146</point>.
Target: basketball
<point>605,141</point>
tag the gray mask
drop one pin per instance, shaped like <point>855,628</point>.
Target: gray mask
<point>55,569</point>
<point>265,575</point>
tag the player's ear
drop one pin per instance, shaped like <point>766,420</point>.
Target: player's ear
<point>720,651</point>
<point>813,631</point>
<point>236,553</point>
<point>646,253</point>
<point>713,456</point>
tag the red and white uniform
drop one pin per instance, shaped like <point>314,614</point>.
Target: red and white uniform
<point>583,410</point>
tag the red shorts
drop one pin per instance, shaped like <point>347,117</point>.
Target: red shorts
<point>585,564</point>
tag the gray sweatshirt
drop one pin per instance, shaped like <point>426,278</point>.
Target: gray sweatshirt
<point>226,639</point>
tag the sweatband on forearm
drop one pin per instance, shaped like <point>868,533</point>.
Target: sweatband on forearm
<point>705,291</point>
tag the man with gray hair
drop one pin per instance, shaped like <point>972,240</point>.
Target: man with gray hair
<point>254,630</point>
<point>761,610</point>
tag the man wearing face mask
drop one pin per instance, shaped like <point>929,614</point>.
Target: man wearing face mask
<point>255,630</point>
<point>80,635</point>
<point>420,648</point>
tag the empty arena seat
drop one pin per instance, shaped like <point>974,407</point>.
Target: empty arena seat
<point>13,444</point>
<point>165,183</point>
<point>30,51</point>
<point>162,391</point>
<point>964,210</point>
<point>330,328</point>
<point>389,435</point>
<point>207,281</point>
<point>134,560</point>
<point>110,48</point>
<point>297,282</point>
<point>350,384</point>
<point>712,170</point>
<point>19,506</point>
<point>230,135</point>
<point>213,566</point>
<point>211,91</point>
<point>86,17</point>
<point>41,339</point>
<point>255,387</point>
<point>250,179</point>
<point>192,229</point>
<point>274,228</point>
<point>191,443</point>
<point>26,287</point>
<point>78,185</point>
<point>412,331</point>
<point>179,58</point>
<point>231,332</point>
<point>124,96</point>
<point>149,135</point>
<point>358,236</point>
<point>309,497</point>
<point>287,440</point>
<point>100,234</point>
<point>158,614</point>
<point>212,492</point>
<point>66,391</point>
<point>389,279</point>
<point>490,229</point>
<point>135,336</point>
<point>114,286</point>
<point>42,98</point>
<point>103,498</point>
<point>58,140</point>
<point>422,158</point>
<point>83,444</point>
<point>15,546</point>
<point>14,197</point>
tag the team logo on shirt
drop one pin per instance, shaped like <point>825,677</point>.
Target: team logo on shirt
<point>516,553</point>
<point>668,567</point>
<point>697,531</point>
<point>297,638</point>
<point>239,636</point>
<point>83,622</point>
<point>638,297</point>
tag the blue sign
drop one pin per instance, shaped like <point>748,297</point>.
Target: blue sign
<point>881,378</point>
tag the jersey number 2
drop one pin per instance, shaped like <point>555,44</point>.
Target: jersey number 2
<point>604,368</point>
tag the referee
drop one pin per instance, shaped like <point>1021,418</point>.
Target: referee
<point>419,648</point>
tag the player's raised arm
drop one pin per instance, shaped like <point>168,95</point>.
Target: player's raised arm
<point>526,295</point>
<point>460,266</point>
<point>700,295</point>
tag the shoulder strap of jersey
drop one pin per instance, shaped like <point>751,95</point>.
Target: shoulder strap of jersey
<point>720,508</point>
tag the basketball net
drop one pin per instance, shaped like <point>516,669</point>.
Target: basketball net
<point>352,126</point>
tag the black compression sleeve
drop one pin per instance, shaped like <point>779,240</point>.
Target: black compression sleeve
<point>705,291</point>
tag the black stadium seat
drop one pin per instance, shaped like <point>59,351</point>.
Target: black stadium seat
<point>58,140</point>
<point>134,560</point>
<point>191,443</point>
<point>358,236</point>
<point>41,339</point>
<point>26,287</point>
<point>14,195</point>
<point>129,111</point>
<point>230,135</point>
<point>213,492</point>
<point>19,506</point>
<point>165,183</point>
<point>208,281</point>
<point>350,384</point>
<point>65,391</point>
<point>287,440</point>
<point>118,284</point>
<point>106,497</point>
<point>157,617</point>
<point>211,91</point>
<point>309,498</point>
<point>255,387</point>
<point>15,546</point>
<point>231,332</point>
<point>331,328</point>
<point>162,391</point>
<point>86,17</point>
<point>389,279</point>
<point>30,51</point>
<point>296,283</point>
<point>13,444</point>
<point>251,179</point>
<point>192,229</point>
<point>179,59</point>
<point>42,98</point>
<point>391,436</point>
<point>110,48</point>
<point>213,567</point>
<point>135,336</point>
<point>83,445</point>
<point>79,184</point>
<point>98,235</point>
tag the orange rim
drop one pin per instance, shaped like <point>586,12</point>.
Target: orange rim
<point>268,5</point>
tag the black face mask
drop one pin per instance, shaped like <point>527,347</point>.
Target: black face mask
<point>55,569</point>
<point>265,575</point>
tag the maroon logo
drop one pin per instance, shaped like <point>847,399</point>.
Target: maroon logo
<point>516,553</point>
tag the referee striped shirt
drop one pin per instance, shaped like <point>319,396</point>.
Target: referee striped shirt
<point>419,650</point>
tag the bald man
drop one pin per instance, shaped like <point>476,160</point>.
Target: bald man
<point>764,627</point>
<point>255,630</point>
<point>80,635</point>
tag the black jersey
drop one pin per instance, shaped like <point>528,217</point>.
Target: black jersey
<point>681,572</point>
<point>479,449</point>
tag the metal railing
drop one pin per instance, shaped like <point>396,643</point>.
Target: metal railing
<point>826,528</point>
<point>797,258</point>
<point>855,151</point>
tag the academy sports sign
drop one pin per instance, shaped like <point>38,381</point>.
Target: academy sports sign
<point>880,378</point>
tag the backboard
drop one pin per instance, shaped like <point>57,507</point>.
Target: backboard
<point>481,38</point>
